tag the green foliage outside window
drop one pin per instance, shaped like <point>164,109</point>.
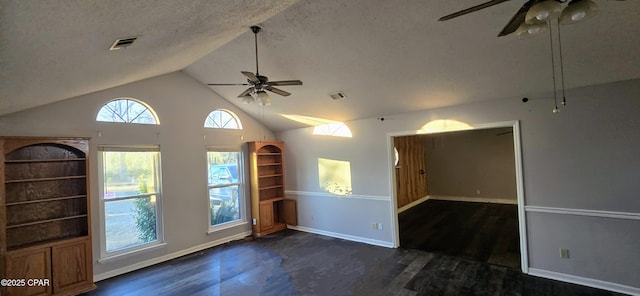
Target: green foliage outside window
<point>145,213</point>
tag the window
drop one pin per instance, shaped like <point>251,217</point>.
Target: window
<point>128,111</point>
<point>130,198</point>
<point>222,119</point>
<point>225,179</point>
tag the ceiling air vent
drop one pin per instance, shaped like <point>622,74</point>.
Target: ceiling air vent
<point>123,43</point>
<point>336,96</point>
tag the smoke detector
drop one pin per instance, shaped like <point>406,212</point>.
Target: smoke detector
<point>337,96</point>
<point>123,42</point>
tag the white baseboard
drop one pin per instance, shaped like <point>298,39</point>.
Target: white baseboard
<point>585,281</point>
<point>143,264</point>
<point>475,199</point>
<point>412,204</point>
<point>348,237</point>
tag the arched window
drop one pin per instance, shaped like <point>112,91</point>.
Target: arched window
<point>127,110</point>
<point>222,119</point>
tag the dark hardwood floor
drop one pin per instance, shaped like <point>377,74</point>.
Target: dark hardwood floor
<point>479,231</point>
<point>299,263</point>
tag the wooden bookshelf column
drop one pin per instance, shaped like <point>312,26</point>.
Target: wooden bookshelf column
<point>45,233</point>
<point>270,210</point>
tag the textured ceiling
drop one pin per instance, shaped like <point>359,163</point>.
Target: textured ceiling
<point>387,56</point>
<point>55,50</point>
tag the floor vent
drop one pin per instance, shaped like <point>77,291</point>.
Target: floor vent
<point>123,43</point>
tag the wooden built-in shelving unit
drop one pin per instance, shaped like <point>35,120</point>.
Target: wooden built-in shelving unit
<point>45,228</point>
<point>270,210</point>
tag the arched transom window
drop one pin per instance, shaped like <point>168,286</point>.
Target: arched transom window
<point>222,119</point>
<point>127,110</point>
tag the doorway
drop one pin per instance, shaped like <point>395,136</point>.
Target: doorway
<point>460,206</point>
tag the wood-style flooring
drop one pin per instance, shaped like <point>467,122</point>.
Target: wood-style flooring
<point>299,263</point>
<point>479,231</point>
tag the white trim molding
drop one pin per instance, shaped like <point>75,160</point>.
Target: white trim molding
<point>520,198</point>
<point>413,204</point>
<point>326,194</point>
<point>583,212</point>
<point>348,237</point>
<point>475,199</point>
<point>584,281</point>
<point>143,264</point>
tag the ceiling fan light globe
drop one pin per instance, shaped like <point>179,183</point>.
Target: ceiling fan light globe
<point>263,98</point>
<point>543,12</point>
<point>577,11</point>
<point>248,99</point>
<point>526,30</point>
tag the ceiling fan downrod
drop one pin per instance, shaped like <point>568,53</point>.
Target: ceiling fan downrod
<point>255,30</point>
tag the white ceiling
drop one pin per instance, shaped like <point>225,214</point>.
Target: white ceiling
<point>388,57</point>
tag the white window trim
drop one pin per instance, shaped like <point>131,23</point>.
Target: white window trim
<point>126,252</point>
<point>151,110</point>
<point>233,115</point>
<point>242,199</point>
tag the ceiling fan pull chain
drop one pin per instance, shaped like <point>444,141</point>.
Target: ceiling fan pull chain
<point>553,70</point>
<point>564,98</point>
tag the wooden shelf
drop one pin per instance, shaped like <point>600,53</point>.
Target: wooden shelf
<point>49,242</point>
<point>44,160</point>
<point>270,176</point>
<point>270,187</point>
<point>268,153</point>
<point>45,200</point>
<point>273,199</point>
<point>45,179</point>
<point>46,221</point>
<point>270,164</point>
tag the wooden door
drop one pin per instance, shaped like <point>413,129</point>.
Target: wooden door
<point>31,263</point>
<point>411,170</point>
<point>266,216</point>
<point>290,212</point>
<point>70,266</point>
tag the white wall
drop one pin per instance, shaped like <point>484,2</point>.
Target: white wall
<point>579,167</point>
<point>181,104</point>
<point>476,164</point>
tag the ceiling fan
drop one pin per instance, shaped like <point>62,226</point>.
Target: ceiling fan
<point>259,83</point>
<point>537,11</point>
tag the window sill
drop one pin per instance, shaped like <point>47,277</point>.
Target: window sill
<point>214,229</point>
<point>127,254</point>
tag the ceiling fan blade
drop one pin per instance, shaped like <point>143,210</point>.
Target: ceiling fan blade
<point>471,9</point>
<point>218,84</point>
<point>246,92</point>
<point>517,18</point>
<point>277,90</point>
<point>252,77</point>
<point>285,82</point>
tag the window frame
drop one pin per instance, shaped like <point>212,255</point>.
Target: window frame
<point>242,200</point>
<point>105,255</point>
<point>233,116</point>
<point>136,101</point>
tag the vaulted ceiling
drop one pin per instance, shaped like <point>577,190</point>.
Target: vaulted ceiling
<point>388,57</point>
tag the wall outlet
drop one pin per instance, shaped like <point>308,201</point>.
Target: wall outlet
<point>478,191</point>
<point>564,253</point>
<point>255,221</point>
<point>374,225</point>
<point>379,226</point>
